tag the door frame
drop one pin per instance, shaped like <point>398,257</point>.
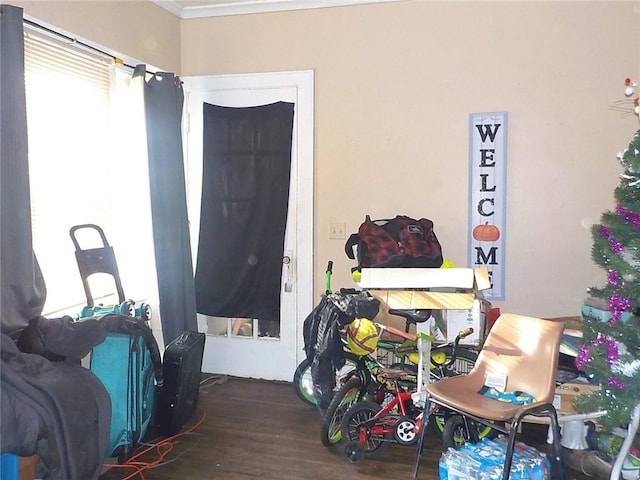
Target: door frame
<point>303,82</point>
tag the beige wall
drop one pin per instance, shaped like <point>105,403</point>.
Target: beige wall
<point>139,30</point>
<point>395,84</point>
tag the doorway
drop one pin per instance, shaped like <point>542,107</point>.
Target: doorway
<point>234,346</point>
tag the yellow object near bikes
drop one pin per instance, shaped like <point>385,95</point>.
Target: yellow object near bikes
<point>437,358</point>
<point>362,336</point>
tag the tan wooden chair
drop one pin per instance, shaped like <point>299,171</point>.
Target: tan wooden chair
<point>523,353</point>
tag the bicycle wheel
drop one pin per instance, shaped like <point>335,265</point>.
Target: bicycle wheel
<point>441,417</point>
<point>356,428</point>
<point>303,382</point>
<point>347,395</point>
<point>464,362</point>
<point>404,431</point>
<point>456,431</point>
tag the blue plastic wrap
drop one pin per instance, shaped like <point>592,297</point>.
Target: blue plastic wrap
<point>484,461</point>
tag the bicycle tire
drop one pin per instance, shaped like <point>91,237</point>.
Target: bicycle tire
<point>456,432</point>
<point>465,360</point>
<point>345,397</point>
<point>439,425</point>
<point>359,413</point>
<point>303,382</point>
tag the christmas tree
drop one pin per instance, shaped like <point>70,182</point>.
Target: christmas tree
<point>611,349</point>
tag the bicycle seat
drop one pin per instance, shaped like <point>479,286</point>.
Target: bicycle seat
<point>412,316</point>
<point>392,373</point>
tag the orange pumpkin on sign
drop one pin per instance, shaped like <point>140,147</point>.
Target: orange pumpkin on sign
<point>486,233</point>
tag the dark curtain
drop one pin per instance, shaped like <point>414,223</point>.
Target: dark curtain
<point>245,196</point>
<point>41,401</point>
<point>163,103</point>
<point>21,284</point>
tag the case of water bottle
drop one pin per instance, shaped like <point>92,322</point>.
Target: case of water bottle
<point>484,461</point>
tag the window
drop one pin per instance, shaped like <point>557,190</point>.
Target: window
<point>84,168</point>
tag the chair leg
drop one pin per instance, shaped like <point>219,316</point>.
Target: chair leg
<point>557,449</point>
<point>425,422</point>
<point>508,456</point>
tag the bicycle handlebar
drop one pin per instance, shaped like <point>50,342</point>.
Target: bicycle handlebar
<point>461,334</point>
<point>464,334</point>
<point>328,273</point>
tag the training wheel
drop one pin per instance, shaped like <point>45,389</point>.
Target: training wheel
<point>354,452</point>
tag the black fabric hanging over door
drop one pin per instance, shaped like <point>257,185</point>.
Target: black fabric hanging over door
<point>245,198</point>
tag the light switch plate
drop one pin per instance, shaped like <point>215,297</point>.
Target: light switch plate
<point>337,230</point>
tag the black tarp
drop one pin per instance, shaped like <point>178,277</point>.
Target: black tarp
<point>58,410</point>
<point>322,337</point>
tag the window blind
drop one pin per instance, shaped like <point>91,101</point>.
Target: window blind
<point>69,95</point>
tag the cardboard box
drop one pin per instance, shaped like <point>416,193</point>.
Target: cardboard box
<point>563,399</point>
<point>444,325</point>
<point>456,292</point>
<point>474,317</point>
<point>566,394</point>
<point>420,288</point>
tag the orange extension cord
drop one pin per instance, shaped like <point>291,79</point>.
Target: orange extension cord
<point>162,448</point>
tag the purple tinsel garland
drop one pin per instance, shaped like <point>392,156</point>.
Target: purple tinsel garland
<point>631,217</point>
<point>614,382</point>
<point>584,356</point>
<point>615,245</point>
<point>618,305</point>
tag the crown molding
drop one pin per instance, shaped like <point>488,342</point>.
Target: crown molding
<point>189,9</point>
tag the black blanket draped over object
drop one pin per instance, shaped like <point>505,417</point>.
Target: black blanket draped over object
<point>58,410</point>
<point>50,404</point>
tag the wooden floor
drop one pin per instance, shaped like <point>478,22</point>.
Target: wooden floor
<point>253,429</point>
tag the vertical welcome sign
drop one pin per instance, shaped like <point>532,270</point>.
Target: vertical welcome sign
<point>487,196</point>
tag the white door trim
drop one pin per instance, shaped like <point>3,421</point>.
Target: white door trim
<point>302,82</point>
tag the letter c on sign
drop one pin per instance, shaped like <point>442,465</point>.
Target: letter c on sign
<point>481,204</point>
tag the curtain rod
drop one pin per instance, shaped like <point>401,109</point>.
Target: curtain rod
<point>75,41</point>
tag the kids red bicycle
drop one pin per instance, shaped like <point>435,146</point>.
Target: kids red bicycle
<point>369,427</point>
